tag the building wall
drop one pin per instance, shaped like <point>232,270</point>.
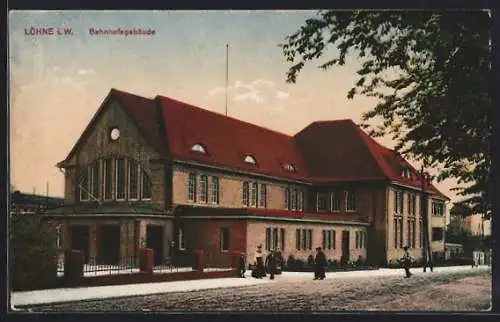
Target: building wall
<point>131,238</point>
<point>230,188</point>
<point>206,235</point>
<point>393,252</point>
<point>256,232</point>
<point>474,225</point>
<point>131,144</point>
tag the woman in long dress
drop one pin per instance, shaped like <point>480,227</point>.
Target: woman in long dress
<point>259,270</point>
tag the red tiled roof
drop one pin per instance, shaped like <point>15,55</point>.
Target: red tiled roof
<point>349,154</point>
<point>324,151</point>
<point>228,141</point>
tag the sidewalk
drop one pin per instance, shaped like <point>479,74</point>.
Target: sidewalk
<point>102,292</point>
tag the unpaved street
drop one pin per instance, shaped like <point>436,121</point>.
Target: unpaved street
<point>458,291</point>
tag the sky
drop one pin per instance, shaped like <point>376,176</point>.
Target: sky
<point>57,82</point>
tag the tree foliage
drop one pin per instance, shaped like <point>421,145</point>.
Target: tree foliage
<point>33,252</point>
<point>431,75</point>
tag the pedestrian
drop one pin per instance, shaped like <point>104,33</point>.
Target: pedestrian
<point>406,261</point>
<point>259,270</point>
<point>241,266</point>
<point>271,261</point>
<point>319,264</point>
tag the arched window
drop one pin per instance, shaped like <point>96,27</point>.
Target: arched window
<point>250,159</point>
<point>114,178</point>
<point>198,148</point>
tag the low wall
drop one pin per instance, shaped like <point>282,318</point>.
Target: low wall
<point>138,278</point>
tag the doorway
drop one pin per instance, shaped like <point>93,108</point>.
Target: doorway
<point>155,241</point>
<point>345,246</point>
<point>80,239</point>
<point>109,244</point>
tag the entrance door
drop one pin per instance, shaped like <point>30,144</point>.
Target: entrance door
<point>154,240</point>
<point>80,239</point>
<point>345,245</point>
<point>109,244</point>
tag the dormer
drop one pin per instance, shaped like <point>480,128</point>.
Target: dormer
<point>250,159</point>
<point>290,167</point>
<point>198,148</point>
<point>406,172</point>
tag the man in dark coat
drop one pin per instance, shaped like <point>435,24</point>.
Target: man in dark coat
<point>271,263</point>
<point>320,264</point>
<point>406,261</point>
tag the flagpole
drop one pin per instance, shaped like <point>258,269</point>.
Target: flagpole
<point>227,72</point>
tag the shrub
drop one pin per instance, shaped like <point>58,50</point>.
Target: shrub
<point>299,263</point>
<point>33,252</point>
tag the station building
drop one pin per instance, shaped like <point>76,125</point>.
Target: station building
<point>176,178</point>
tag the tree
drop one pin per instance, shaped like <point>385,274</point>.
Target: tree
<point>431,74</point>
<point>33,252</point>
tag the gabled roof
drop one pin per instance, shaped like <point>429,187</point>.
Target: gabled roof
<point>228,141</point>
<point>323,152</point>
<point>141,110</point>
<point>340,151</point>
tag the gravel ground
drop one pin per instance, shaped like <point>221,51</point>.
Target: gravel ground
<point>461,291</point>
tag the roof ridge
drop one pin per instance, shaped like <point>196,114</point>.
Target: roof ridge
<point>224,116</point>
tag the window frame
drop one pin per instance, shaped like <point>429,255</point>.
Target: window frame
<point>222,239</point>
<point>263,196</point>
<point>204,188</point>
<point>335,199</point>
<point>350,194</point>
<point>246,194</point>
<point>215,191</point>
<point>130,165</point>
<point>192,189</point>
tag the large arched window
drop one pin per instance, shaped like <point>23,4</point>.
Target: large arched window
<point>115,178</point>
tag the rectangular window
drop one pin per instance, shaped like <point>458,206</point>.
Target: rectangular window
<point>108,179</point>
<point>215,190</point>
<point>120,178</point>
<point>268,238</point>
<point>300,200</point>
<point>350,201</point>
<point>293,198</point>
<point>421,235</point>
<point>357,239</point>
<point>263,196</point>
<point>181,241</point>
<point>413,233</point>
<point>192,187</point>
<point>321,202</point>
<point>96,167</point>
<point>409,233</point>
<point>329,239</point>
<point>254,195</point>
<point>401,235</point>
<point>297,239</point>
<point>437,234</point>
<point>287,198</point>
<point>411,204</point>
<point>309,239</point>
<point>203,188</point>
<point>84,186</point>
<point>437,208</point>
<point>334,239</point>
<point>245,198</point>
<point>224,239</point>
<point>133,180</point>
<point>396,235</point>
<point>275,238</point>
<point>304,239</point>
<point>146,186</point>
<point>398,202</point>
<point>336,201</point>
<point>282,232</point>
